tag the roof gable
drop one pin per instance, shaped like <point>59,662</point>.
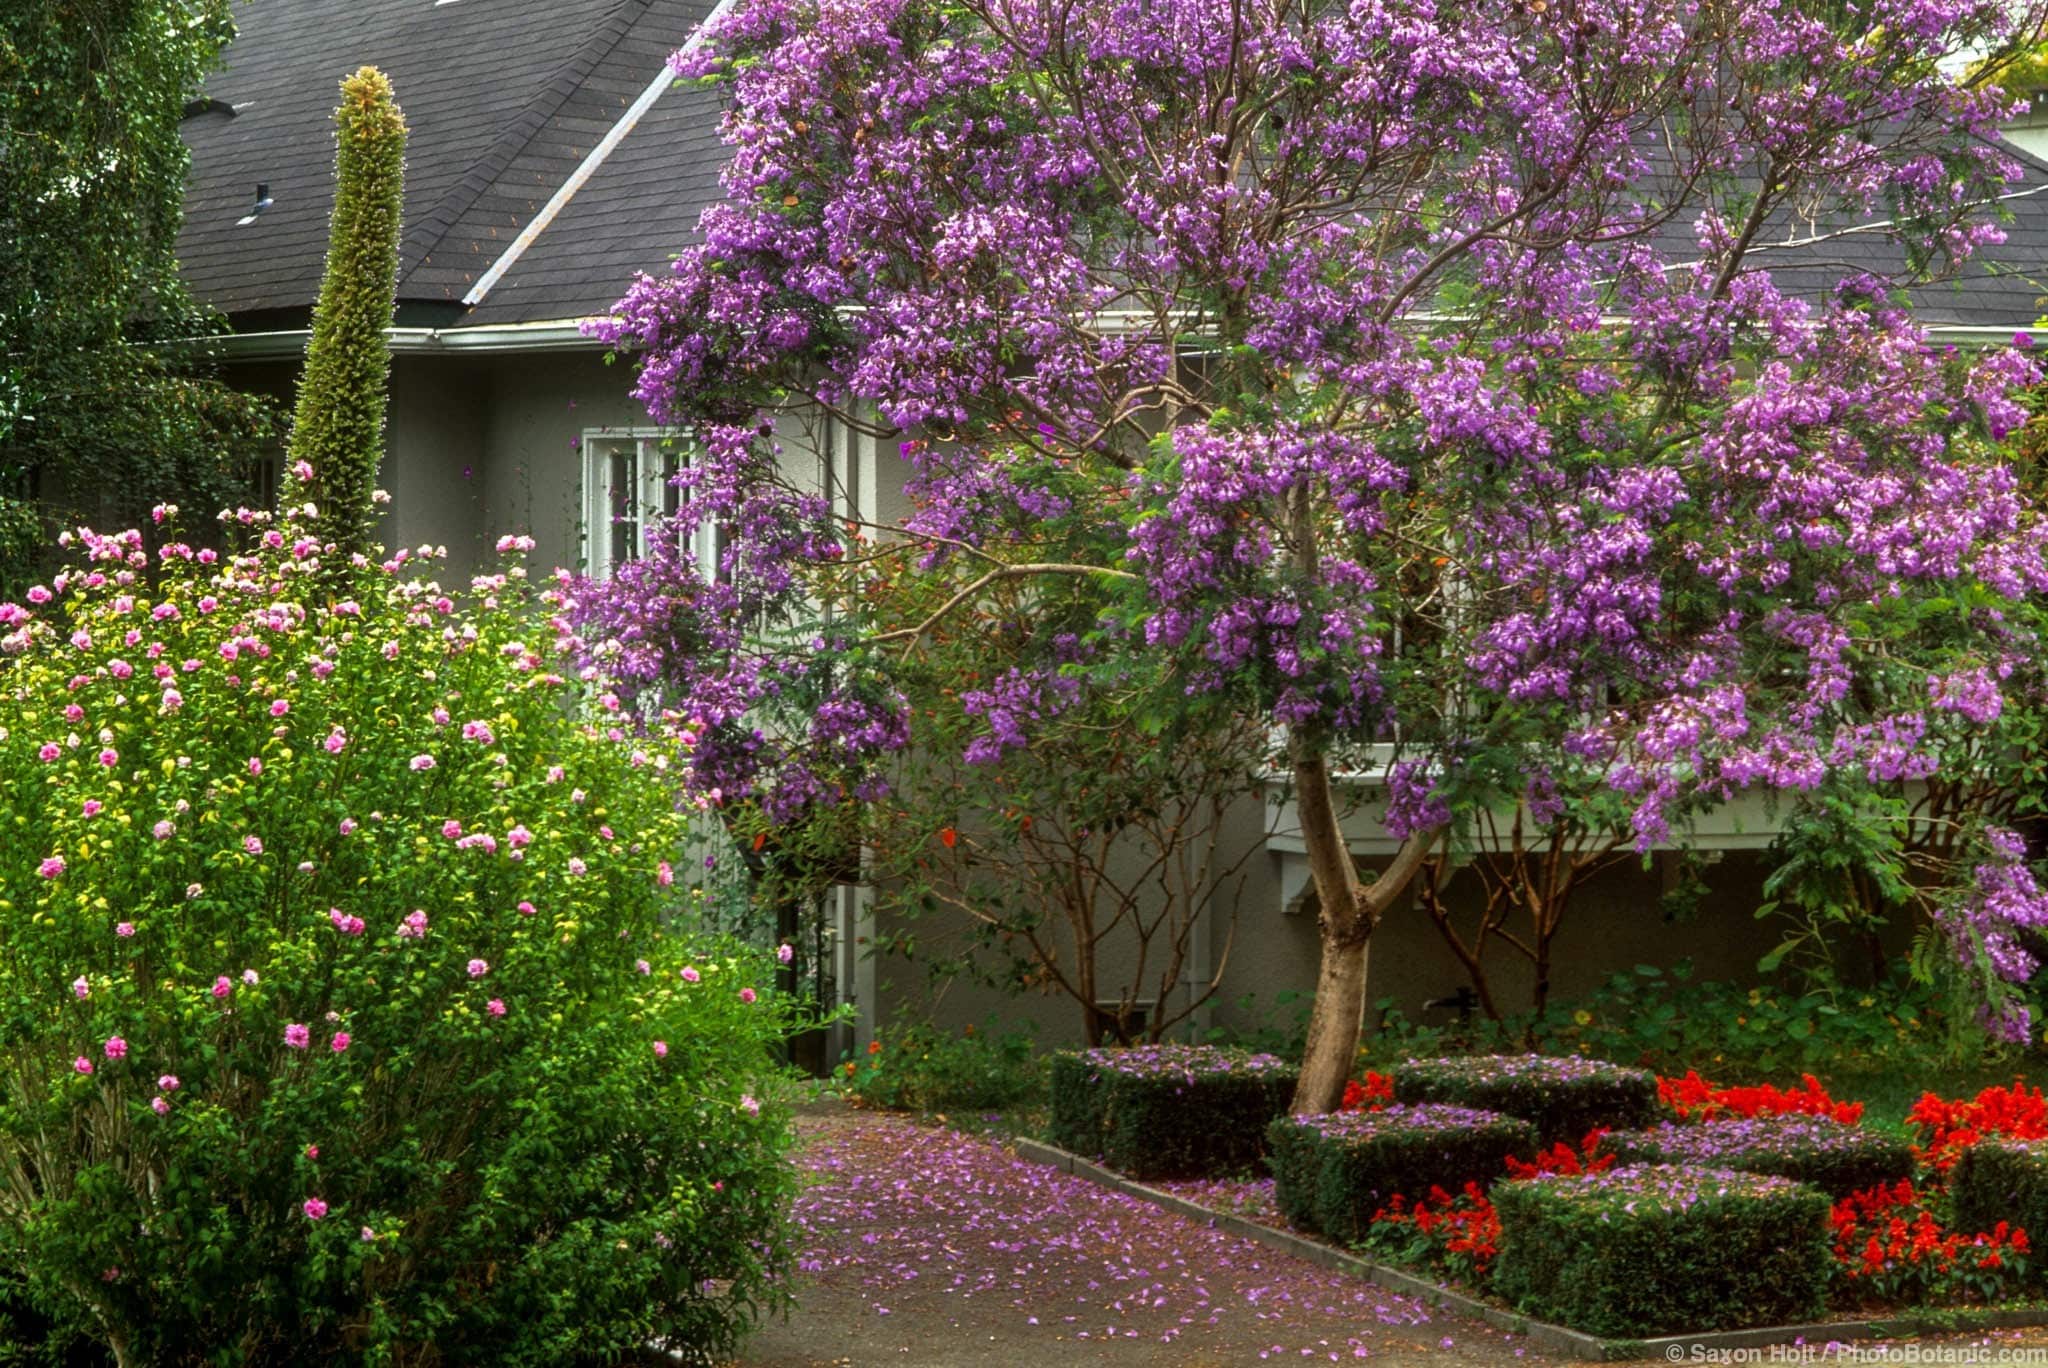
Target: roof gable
<point>504,99</point>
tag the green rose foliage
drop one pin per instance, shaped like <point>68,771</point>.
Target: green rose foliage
<point>348,1009</point>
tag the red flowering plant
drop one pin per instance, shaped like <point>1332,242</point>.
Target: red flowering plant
<point>1949,1128</point>
<point>1562,1158</point>
<point>1458,1234</point>
<point>1890,1248</point>
<point>1693,1098</point>
<point>1455,1235</point>
<point>1371,1094</point>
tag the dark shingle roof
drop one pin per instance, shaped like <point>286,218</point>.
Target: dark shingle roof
<point>504,98</point>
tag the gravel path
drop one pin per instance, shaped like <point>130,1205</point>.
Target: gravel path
<point>927,1247</point>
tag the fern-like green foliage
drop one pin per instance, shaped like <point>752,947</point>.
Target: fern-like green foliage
<point>338,428</point>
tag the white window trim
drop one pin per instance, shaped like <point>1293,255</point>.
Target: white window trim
<point>650,444</point>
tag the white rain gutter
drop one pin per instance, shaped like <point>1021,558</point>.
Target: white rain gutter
<point>558,335</point>
<point>612,138</point>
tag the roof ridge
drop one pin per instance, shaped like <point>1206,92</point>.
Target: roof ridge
<point>425,233</point>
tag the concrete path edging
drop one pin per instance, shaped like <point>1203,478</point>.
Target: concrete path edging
<point>1555,1339</point>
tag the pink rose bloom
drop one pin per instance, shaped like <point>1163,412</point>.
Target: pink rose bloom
<point>518,836</point>
<point>249,977</point>
<point>526,909</point>
<point>255,766</point>
<point>124,929</point>
<point>115,1048</point>
<point>784,953</point>
<point>162,831</point>
<point>749,1105</point>
<point>168,1082</point>
<point>253,844</point>
<point>422,762</point>
<point>110,757</point>
<point>690,974</point>
<point>82,1064</point>
<point>222,987</point>
<point>340,1042</point>
<point>315,1208</point>
<point>664,874</point>
<point>80,988</point>
<point>495,1007</point>
<point>643,966</point>
<point>336,739</point>
<point>478,968</point>
<point>91,807</point>
<point>51,867</point>
<point>661,1049</point>
<point>576,866</point>
<point>280,708</point>
<point>747,996</point>
<point>348,825</point>
<point>49,752</point>
<point>297,1036</point>
<point>451,829</point>
<point>160,1105</point>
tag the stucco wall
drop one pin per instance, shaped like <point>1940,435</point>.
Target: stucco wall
<point>1614,923</point>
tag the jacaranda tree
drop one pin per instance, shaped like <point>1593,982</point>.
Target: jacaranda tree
<point>1405,373</point>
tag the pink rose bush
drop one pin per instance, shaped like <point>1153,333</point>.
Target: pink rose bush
<point>250,984</point>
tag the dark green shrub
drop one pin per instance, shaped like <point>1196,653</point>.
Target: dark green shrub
<point>1332,1173</point>
<point>1562,1096</point>
<point>338,427</point>
<point>916,1066</point>
<point>1657,1250</point>
<point>2001,1180</point>
<point>1168,1111</point>
<point>1836,1158</point>
<point>350,1009</point>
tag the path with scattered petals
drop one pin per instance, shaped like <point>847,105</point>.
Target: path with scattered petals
<point>930,1248</point>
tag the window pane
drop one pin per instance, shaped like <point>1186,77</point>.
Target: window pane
<point>623,475</point>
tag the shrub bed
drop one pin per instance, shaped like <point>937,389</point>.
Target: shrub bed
<point>1337,1173</point>
<point>1562,1097</point>
<point>1655,1249</point>
<point>347,1013</point>
<point>1168,1111</point>
<point>2001,1180</point>
<point>1836,1158</point>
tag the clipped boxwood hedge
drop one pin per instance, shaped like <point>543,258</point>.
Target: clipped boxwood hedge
<point>1661,1249</point>
<point>2001,1180</point>
<point>1168,1111</point>
<point>1562,1096</point>
<point>1333,1172</point>
<point>1836,1158</point>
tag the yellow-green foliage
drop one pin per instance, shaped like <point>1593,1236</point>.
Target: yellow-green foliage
<point>339,426</point>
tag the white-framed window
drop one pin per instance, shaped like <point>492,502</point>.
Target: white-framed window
<point>629,491</point>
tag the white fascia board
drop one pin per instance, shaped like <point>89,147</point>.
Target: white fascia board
<point>555,336</point>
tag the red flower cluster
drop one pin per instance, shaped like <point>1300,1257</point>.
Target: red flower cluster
<point>1693,1098</point>
<point>1562,1158</point>
<point>1949,1128</point>
<point>1460,1234</point>
<point>1890,1248</point>
<point>1375,1092</point>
